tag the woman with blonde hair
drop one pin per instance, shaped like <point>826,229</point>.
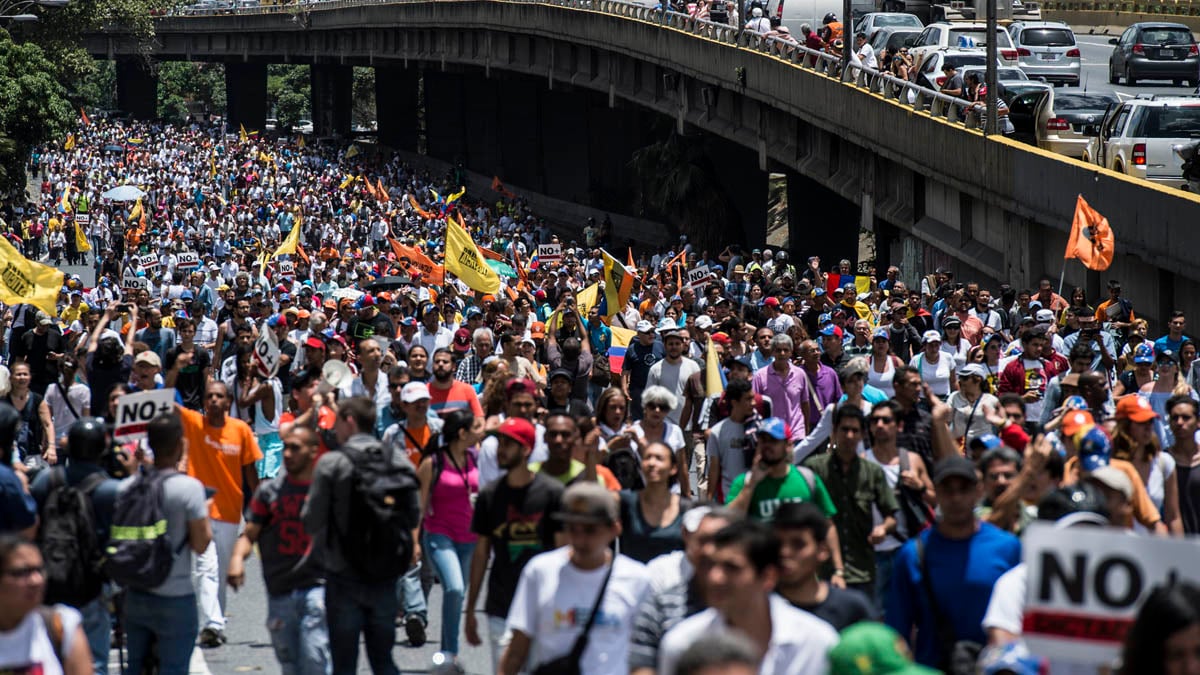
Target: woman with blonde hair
<point>1168,382</point>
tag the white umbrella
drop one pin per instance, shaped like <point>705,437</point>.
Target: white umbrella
<point>347,294</point>
<point>124,193</point>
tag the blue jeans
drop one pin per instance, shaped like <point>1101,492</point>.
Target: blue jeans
<point>172,620</point>
<point>356,608</point>
<point>297,624</point>
<point>97,625</point>
<point>452,561</point>
<point>884,564</point>
<point>410,594</point>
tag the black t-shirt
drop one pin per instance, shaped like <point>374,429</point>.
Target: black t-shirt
<point>638,360</point>
<point>1188,479</point>
<point>286,348</point>
<point>518,523</point>
<point>283,543</point>
<point>379,324</point>
<point>42,370</point>
<point>842,608</point>
<point>103,379</point>
<point>190,380</point>
<point>644,541</point>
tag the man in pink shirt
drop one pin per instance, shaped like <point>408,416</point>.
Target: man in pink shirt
<point>786,385</point>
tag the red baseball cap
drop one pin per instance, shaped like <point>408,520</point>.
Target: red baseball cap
<point>462,340</point>
<point>771,301</point>
<point>518,429</point>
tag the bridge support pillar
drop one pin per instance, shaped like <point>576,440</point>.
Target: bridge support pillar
<point>332,99</point>
<point>396,106</point>
<point>137,88</point>
<point>820,222</point>
<point>746,187</point>
<point>445,120</point>
<point>246,95</point>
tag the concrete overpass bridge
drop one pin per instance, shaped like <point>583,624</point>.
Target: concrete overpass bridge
<point>555,96</point>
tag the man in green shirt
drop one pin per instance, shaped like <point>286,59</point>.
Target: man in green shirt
<point>773,480</point>
<point>859,489</point>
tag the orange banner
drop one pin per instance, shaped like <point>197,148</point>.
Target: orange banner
<point>431,272</point>
<point>1092,240</point>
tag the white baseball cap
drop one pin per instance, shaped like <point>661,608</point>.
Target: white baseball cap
<point>413,392</point>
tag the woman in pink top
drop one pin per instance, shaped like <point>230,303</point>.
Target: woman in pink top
<point>449,484</point>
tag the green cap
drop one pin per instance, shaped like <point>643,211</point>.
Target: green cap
<point>870,648</point>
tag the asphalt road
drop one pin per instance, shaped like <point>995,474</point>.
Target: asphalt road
<point>248,649</point>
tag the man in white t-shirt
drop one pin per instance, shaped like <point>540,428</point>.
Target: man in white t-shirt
<point>866,55</point>
<point>739,586</point>
<point>673,371</point>
<point>558,590</point>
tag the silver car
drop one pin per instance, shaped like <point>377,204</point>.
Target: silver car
<point>1047,50</point>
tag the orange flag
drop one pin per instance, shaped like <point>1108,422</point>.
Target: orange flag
<point>371,189</point>
<point>432,273</point>
<point>497,186</point>
<point>417,207</point>
<point>383,193</point>
<point>1092,240</point>
<point>84,117</point>
<point>303,256</point>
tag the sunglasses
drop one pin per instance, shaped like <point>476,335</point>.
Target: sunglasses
<point>657,406</point>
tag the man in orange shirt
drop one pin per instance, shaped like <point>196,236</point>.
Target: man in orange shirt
<point>221,452</point>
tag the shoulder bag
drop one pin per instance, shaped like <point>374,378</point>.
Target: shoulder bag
<point>569,664</point>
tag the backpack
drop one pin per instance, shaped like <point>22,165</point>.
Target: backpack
<point>625,468</point>
<point>68,541</point>
<point>384,507</point>
<point>139,553</point>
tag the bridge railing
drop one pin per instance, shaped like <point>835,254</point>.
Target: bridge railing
<point>908,94</point>
<point>1166,7</point>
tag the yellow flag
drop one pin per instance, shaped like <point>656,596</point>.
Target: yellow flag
<point>242,133</point>
<point>70,143</point>
<point>618,284</point>
<point>81,241</point>
<point>352,151</point>
<point>23,281</point>
<point>212,167</point>
<point>289,244</point>
<point>300,141</point>
<point>464,261</point>
<point>349,180</point>
<point>713,382</point>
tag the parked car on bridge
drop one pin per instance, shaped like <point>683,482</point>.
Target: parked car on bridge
<point>1047,50</point>
<point>929,68</point>
<point>1136,137</point>
<point>1155,50</point>
<point>1064,120</point>
<point>892,37</point>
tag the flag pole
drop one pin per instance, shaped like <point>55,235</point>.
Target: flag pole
<point>1062,277</point>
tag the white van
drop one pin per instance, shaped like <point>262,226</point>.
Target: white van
<point>795,12</point>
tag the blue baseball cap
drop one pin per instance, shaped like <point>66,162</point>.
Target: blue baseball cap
<point>775,428</point>
<point>830,331</point>
<point>474,312</point>
<point>880,334</point>
<point>276,320</point>
<point>1075,403</point>
<point>187,295</point>
<point>1144,353</point>
<point>986,441</point>
<point>1094,448</point>
<point>284,297</point>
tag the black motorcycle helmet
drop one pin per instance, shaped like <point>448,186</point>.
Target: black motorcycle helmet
<point>87,439</point>
<point>829,18</point>
<point>1079,504</point>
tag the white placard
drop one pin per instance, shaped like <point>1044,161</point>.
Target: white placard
<point>134,412</point>
<point>548,253</point>
<point>287,268</point>
<point>149,262</point>
<point>131,281</point>
<point>83,218</point>
<point>266,351</point>
<point>1085,586</point>
<point>698,277</point>
<point>187,260</point>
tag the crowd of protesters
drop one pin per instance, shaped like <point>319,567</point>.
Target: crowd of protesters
<point>855,488</point>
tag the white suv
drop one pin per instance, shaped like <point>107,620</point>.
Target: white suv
<point>964,35</point>
<point>1136,137</point>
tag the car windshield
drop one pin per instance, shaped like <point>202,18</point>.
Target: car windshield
<point>1166,36</point>
<point>1082,101</point>
<point>896,20</point>
<point>1172,122</point>
<point>976,37</point>
<point>1047,37</point>
<point>895,40</point>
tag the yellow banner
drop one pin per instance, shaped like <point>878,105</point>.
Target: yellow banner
<point>288,247</point>
<point>81,241</point>
<point>464,261</point>
<point>23,281</point>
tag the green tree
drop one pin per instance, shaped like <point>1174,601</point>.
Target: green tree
<point>363,109</point>
<point>33,108</point>
<point>289,93</point>
<point>59,31</point>
<point>185,88</point>
<point>677,183</point>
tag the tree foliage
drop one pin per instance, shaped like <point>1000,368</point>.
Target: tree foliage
<point>289,93</point>
<point>33,107</point>
<point>186,88</point>
<point>363,107</point>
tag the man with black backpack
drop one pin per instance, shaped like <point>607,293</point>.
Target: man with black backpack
<point>362,512</point>
<point>75,503</point>
<point>153,562</point>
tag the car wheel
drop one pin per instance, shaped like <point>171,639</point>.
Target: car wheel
<point>1119,168</point>
<point>1130,80</point>
<point>1112,75</point>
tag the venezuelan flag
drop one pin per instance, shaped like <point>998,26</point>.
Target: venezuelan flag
<point>620,344</point>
